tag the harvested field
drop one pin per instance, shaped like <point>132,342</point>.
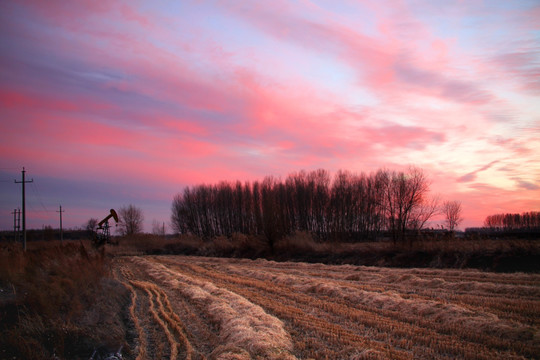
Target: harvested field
<point>215,308</point>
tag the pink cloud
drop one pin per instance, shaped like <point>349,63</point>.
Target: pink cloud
<point>18,100</point>
<point>380,62</point>
<point>270,110</point>
<point>527,185</point>
<point>285,24</point>
<point>141,61</point>
<point>522,67</point>
<point>472,175</point>
<point>180,125</point>
<point>404,136</point>
<point>132,96</point>
<point>70,14</point>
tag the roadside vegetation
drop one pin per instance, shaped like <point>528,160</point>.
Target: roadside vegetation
<point>58,300</point>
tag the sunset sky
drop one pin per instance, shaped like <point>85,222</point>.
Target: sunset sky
<point>110,103</point>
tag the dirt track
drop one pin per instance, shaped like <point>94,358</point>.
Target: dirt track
<point>208,308</point>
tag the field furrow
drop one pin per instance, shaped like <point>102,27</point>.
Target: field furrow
<point>407,308</point>
<point>300,313</point>
<point>198,308</point>
<point>370,321</point>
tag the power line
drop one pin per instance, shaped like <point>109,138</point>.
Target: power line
<point>38,196</point>
<point>7,175</point>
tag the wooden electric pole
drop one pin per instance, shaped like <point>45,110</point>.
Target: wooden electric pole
<point>61,231</point>
<point>15,227</point>
<point>18,225</point>
<point>23,182</point>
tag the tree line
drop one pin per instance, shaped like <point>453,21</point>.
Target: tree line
<point>348,206</point>
<point>524,221</point>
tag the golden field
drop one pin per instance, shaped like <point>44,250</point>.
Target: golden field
<point>214,308</point>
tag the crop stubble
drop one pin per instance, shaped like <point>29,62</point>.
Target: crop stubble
<point>210,308</point>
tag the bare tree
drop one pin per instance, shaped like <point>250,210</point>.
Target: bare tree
<point>405,192</point>
<point>525,220</point>
<point>452,213</point>
<point>131,220</point>
<point>179,215</point>
<point>91,225</point>
<point>423,213</point>
<point>272,217</point>
<point>352,206</point>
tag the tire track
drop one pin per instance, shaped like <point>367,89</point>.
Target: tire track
<point>147,287</point>
<point>245,329</point>
<point>170,325</point>
<point>141,336</point>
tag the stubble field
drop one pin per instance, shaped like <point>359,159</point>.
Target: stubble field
<point>209,308</point>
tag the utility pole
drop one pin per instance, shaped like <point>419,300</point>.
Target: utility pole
<point>14,224</point>
<point>61,231</point>
<point>18,224</point>
<point>24,205</point>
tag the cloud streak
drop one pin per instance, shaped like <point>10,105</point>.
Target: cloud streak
<point>473,174</point>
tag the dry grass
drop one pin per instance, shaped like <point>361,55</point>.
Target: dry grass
<point>139,244</point>
<point>269,310</point>
<point>500,255</point>
<point>61,295</point>
<point>244,327</point>
<point>66,300</point>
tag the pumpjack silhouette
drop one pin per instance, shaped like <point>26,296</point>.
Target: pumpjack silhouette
<point>102,235</point>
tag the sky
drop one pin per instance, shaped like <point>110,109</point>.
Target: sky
<point>111,103</point>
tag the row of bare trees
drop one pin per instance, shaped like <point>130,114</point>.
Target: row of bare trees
<point>525,220</point>
<point>351,206</point>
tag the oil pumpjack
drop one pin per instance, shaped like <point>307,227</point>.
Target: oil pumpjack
<point>103,235</point>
